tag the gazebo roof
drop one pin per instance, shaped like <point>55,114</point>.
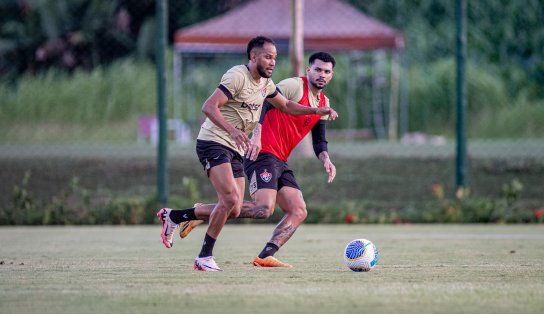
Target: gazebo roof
<point>329,25</point>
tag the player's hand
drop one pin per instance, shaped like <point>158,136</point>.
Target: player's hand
<point>240,138</point>
<point>254,148</point>
<point>330,169</point>
<point>323,111</point>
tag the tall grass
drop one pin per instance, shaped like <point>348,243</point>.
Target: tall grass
<point>492,112</point>
<point>432,95</point>
<point>520,120</point>
<point>103,104</point>
<point>103,95</point>
<point>100,105</point>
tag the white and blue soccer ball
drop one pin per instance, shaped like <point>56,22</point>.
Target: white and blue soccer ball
<point>361,255</point>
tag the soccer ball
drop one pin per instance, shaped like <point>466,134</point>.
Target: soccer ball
<point>361,255</point>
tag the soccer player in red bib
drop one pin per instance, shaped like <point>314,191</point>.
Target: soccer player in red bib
<point>270,179</point>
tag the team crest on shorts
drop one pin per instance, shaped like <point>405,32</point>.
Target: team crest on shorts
<point>266,176</point>
<point>263,92</point>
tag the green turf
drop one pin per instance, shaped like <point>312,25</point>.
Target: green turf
<point>422,269</point>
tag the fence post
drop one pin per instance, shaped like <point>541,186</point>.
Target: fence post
<point>460,100</point>
<point>162,177</point>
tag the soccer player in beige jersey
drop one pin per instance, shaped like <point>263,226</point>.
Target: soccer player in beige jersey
<point>232,112</point>
<point>270,178</point>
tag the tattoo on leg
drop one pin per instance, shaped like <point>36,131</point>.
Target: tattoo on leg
<point>283,232</point>
<point>255,212</point>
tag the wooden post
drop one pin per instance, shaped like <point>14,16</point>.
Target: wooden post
<point>296,47</point>
<point>394,98</point>
<point>296,51</point>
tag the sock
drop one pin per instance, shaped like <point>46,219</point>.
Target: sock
<point>269,250</point>
<point>207,246</point>
<point>179,215</point>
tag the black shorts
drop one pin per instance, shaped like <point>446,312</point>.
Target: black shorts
<point>268,172</point>
<point>212,154</point>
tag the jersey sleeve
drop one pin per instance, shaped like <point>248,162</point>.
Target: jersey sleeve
<point>232,83</point>
<point>266,107</point>
<point>271,89</point>
<point>291,88</point>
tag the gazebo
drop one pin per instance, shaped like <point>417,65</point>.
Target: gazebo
<point>328,25</point>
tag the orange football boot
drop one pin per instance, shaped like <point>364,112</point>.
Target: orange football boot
<point>186,227</point>
<point>269,261</point>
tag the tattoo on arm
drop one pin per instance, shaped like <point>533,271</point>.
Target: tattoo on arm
<point>283,232</point>
<point>257,130</point>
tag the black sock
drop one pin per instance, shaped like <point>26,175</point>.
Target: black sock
<point>207,246</point>
<point>269,250</point>
<point>179,215</point>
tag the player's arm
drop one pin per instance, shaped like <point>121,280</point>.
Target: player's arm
<point>291,107</point>
<point>254,143</point>
<point>211,109</point>
<point>319,142</point>
<point>255,146</point>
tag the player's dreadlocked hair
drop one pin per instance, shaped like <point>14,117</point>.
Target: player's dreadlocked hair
<point>257,42</point>
<point>323,56</point>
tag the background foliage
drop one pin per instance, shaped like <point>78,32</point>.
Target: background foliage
<point>81,71</point>
<point>52,50</point>
<point>35,34</point>
<point>507,34</point>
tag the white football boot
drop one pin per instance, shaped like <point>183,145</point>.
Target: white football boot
<point>168,227</point>
<point>206,264</point>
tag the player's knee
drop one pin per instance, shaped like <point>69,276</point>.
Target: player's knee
<point>230,202</point>
<point>300,213</point>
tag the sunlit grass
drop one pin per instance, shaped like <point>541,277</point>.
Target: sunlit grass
<point>422,269</point>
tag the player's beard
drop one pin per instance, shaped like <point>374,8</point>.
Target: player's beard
<point>262,72</point>
<point>314,84</point>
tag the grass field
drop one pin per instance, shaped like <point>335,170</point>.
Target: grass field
<point>422,269</point>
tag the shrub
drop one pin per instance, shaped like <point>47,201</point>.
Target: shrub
<point>72,205</point>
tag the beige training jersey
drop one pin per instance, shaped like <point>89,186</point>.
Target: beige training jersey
<point>293,88</point>
<point>243,109</point>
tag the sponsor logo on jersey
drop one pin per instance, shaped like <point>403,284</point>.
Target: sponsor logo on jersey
<point>266,176</point>
<point>253,107</point>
